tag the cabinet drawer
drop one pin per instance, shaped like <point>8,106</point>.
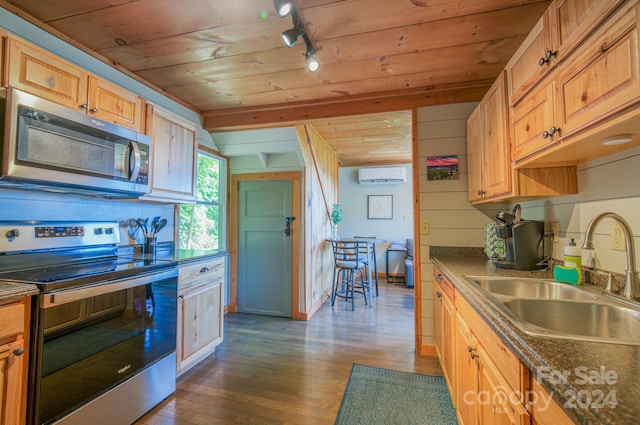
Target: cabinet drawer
<point>445,284</point>
<point>514,373</point>
<point>11,319</point>
<point>194,274</point>
<point>543,414</point>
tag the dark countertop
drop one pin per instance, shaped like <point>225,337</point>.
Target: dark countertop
<point>12,290</point>
<point>582,362</point>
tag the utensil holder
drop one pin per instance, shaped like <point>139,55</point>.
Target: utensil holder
<point>149,247</point>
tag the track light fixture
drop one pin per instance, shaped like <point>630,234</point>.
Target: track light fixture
<point>283,7</point>
<point>291,36</point>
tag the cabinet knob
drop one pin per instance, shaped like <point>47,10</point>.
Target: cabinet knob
<point>93,110</point>
<point>547,57</point>
<point>83,107</point>
<point>204,269</point>
<point>439,276</point>
<point>481,192</point>
<point>181,296</point>
<point>472,352</point>
<point>551,132</point>
<point>438,294</point>
<point>18,351</point>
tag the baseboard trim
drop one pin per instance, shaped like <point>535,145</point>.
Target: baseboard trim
<point>313,310</point>
<point>428,350</point>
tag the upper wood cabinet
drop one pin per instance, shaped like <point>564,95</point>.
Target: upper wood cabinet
<point>490,171</point>
<point>4,79</point>
<point>594,95</point>
<point>488,143</point>
<point>174,156</point>
<point>529,64</point>
<point>565,24</point>
<point>40,73</point>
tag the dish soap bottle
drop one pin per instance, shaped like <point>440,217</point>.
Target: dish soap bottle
<point>573,259</point>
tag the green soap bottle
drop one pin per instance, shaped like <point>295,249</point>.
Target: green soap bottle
<point>573,258</point>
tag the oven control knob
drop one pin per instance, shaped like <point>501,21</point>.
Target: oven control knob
<point>98,230</point>
<point>108,230</point>
<point>12,234</point>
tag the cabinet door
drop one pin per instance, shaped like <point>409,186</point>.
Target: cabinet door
<point>573,20</point>
<point>496,154</point>
<point>475,163</point>
<point>466,374</point>
<point>39,73</point>
<point>11,367</point>
<point>4,81</point>
<point>200,323</point>
<point>532,120</point>
<point>499,405</point>
<point>524,69</point>
<point>448,344</point>
<point>437,320</point>
<point>604,77</point>
<point>174,154</point>
<point>114,104</point>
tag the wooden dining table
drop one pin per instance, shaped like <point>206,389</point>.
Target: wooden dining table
<point>370,245</point>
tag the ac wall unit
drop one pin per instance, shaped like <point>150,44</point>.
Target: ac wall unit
<point>382,175</point>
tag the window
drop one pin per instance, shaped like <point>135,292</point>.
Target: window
<point>202,225</point>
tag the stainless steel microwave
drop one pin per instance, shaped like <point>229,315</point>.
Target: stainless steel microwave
<point>51,147</point>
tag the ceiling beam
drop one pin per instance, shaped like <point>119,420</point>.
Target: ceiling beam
<point>301,113</point>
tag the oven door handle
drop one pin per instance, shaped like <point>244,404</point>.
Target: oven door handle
<point>53,299</point>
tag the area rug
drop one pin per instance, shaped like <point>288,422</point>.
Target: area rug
<point>388,397</point>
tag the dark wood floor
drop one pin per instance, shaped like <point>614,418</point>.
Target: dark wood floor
<point>278,371</point>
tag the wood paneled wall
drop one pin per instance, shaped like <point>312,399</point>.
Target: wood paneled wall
<point>444,204</point>
<point>320,193</point>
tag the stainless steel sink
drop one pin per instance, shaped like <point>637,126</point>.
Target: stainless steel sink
<point>554,309</point>
<point>581,320</point>
<point>533,288</point>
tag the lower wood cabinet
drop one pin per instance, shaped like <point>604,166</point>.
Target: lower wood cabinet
<point>485,378</point>
<point>14,324</point>
<point>200,311</point>
<point>443,328</point>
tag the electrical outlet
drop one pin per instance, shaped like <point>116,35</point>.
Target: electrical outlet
<point>424,227</point>
<point>555,230</point>
<point>617,238</point>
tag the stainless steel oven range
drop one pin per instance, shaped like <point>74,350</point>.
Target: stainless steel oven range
<point>103,331</point>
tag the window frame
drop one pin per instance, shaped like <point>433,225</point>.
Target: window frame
<point>221,203</point>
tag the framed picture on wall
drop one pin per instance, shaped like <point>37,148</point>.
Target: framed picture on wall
<point>380,207</point>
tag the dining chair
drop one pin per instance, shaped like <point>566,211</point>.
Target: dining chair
<point>363,251</point>
<point>348,278</point>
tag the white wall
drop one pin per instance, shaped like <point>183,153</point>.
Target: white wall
<point>353,200</point>
<point>609,184</point>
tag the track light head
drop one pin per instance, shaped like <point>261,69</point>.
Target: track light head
<point>312,62</point>
<point>283,7</point>
<point>290,36</point>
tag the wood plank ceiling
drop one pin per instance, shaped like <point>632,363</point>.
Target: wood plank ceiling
<point>225,58</point>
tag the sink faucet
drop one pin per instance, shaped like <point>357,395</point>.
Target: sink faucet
<point>630,289</point>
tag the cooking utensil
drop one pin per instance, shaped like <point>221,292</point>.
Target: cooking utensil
<point>133,226</point>
<point>154,224</point>
<point>160,225</point>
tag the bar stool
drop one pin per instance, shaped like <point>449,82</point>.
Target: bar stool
<point>364,257</point>
<point>347,272</point>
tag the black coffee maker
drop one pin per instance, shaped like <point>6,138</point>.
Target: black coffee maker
<point>523,241</point>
